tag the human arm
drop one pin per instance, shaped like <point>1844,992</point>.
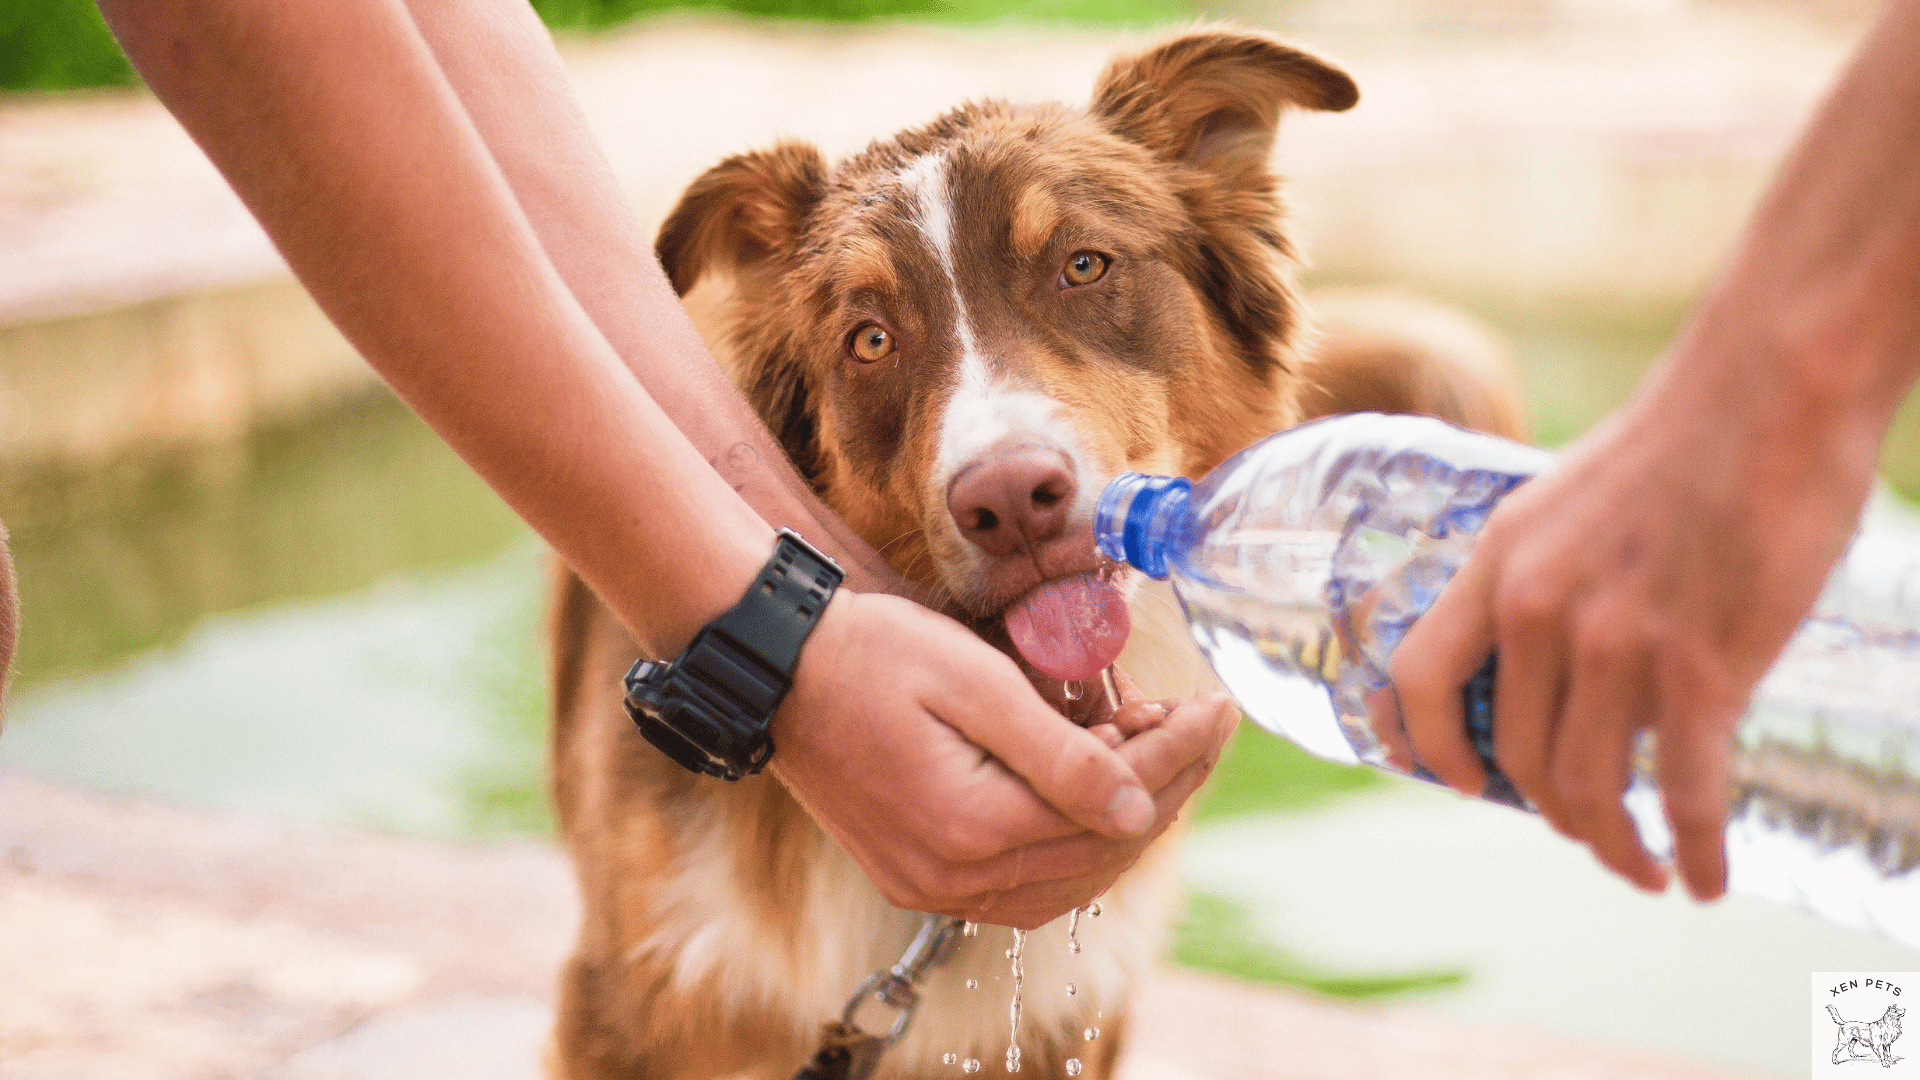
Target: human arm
<point>1652,575</point>
<point>479,301</point>
<point>501,63</point>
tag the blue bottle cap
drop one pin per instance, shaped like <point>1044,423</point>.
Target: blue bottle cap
<point>1131,522</point>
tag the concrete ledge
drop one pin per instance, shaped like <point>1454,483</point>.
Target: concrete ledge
<point>193,367</point>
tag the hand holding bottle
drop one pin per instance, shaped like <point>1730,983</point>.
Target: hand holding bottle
<point>1650,578</point>
<point>1647,580</point>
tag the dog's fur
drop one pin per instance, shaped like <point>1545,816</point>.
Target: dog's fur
<point>1859,1039</point>
<point>722,926</point>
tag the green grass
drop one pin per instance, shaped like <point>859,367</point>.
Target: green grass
<point>57,45</point>
<point>1263,773</point>
<point>1218,935</point>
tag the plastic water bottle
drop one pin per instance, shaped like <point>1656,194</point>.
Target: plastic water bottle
<point>1302,561</point>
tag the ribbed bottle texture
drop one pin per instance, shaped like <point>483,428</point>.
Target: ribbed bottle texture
<point>1302,561</point>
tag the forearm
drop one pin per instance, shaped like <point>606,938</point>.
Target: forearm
<point>384,201</point>
<point>1825,285</point>
<point>502,63</point>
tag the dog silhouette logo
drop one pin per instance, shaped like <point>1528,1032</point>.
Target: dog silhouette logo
<point>1863,1040</point>
<point>1857,1017</point>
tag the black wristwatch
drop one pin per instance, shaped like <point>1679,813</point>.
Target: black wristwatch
<point>709,709</point>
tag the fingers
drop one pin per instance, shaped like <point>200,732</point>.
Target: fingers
<point>1431,666</point>
<point>1068,767</point>
<point>1383,706</point>
<point>1086,866</point>
<point>994,818</point>
<point>1193,733</point>
<point>1592,756</point>
<point>1055,865</point>
<point>1527,696</point>
<point>1695,755</point>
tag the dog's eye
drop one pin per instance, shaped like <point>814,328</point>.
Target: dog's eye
<point>1083,268</point>
<point>869,343</point>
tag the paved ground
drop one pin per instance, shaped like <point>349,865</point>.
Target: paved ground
<point>143,942</point>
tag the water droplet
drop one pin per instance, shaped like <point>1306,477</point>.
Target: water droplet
<point>1073,931</point>
<point>1073,946</point>
<point>971,1065</point>
<point>973,984</point>
<point>1013,1009</point>
<point>1091,1033</point>
<point>1093,910</point>
<point>1073,1066</point>
<point>949,1058</point>
<point>1072,989</point>
<point>971,929</point>
<point>1074,689</point>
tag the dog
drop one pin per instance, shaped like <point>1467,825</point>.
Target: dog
<point>958,335</point>
<point>1857,1039</point>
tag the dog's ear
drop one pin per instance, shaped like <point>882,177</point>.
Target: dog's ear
<point>741,212</point>
<point>1213,98</point>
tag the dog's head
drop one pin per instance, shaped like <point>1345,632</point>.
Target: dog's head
<point>961,333</point>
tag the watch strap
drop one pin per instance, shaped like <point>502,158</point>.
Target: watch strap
<point>709,709</point>
<point>782,605</point>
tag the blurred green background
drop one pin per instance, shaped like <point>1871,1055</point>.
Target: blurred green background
<point>65,44</point>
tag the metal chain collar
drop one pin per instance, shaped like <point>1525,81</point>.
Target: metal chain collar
<point>849,1052</point>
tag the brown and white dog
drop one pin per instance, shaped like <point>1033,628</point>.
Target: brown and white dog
<point>959,335</point>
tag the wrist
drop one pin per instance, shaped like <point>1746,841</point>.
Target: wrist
<point>711,709</point>
<point>1797,407</point>
<point>829,639</point>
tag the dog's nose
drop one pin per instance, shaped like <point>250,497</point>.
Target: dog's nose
<point>1013,498</point>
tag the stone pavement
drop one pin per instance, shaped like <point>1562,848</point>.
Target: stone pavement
<point>140,941</point>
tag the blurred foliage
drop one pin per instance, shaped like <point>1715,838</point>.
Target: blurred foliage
<point>596,14</point>
<point>505,793</point>
<point>1264,773</point>
<point>1218,934</point>
<point>57,45</point>
<point>65,44</point>
<point>1900,454</point>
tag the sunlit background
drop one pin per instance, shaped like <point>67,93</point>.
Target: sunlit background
<point>251,582</point>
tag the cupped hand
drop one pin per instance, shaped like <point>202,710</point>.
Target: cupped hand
<point>1646,581</point>
<point>926,753</point>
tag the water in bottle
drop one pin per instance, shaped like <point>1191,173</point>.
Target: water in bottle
<point>1301,562</point>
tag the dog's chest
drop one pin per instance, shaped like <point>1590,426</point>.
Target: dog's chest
<point>844,930</point>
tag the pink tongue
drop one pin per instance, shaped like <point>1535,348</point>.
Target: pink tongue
<point>1071,628</point>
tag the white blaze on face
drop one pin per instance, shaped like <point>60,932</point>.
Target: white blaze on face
<point>985,409</point>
